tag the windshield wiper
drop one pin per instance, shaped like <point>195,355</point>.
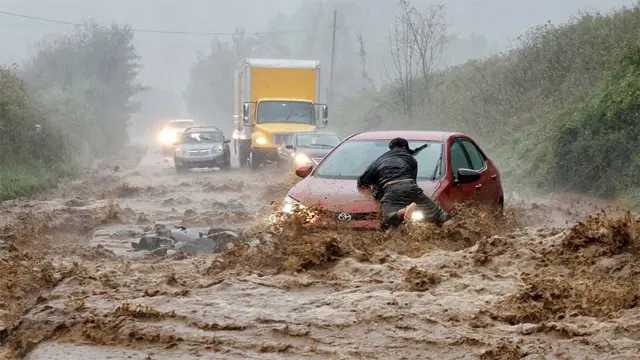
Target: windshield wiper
<point>438,164</point>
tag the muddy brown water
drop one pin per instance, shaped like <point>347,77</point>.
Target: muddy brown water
<point>72,289</point>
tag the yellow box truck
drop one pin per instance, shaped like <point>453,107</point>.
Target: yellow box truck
<point>274,97</point>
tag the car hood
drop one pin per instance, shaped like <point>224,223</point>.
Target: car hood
<point>342,195</point>
<point>283,128</point>
<point>205,146</point>
<point>314,153</point>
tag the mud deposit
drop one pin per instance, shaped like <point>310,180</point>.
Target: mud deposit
<point>544,282</point>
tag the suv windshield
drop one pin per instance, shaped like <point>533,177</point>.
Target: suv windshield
<point>202,137</point>
<point>351,158</point>
<point>318,140</point>
<point>294,112</point>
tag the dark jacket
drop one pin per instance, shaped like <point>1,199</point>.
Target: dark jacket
<point>395,164</point>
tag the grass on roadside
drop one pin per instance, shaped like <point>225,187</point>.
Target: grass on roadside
<point>18,180</point>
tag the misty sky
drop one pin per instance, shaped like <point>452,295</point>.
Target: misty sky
<point>166,58</point>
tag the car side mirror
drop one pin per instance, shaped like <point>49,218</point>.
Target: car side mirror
<point>325,114</point>
<point>289,147</point>
<point>226,141</point>
<point>467,176</point>
<point>245,113</point>
<point>304,171</point>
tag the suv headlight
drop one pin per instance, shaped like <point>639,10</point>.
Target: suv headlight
<point>289,204</point>
<point>218,148</point>
<point>178,151</point>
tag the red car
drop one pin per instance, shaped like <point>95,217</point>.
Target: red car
<point>450,169</point>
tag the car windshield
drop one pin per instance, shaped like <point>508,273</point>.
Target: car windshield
<point>201,137</point>
<point>318,140</point>
<point>181,124</point>
<point>351,158</point>
<point>294,112</point>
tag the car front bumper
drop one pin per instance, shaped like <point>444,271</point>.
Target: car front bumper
<point>194,160</point>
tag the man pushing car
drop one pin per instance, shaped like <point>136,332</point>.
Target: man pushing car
<point>393,180</point>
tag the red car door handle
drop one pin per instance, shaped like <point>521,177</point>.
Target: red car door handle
<point>478,186</point>
<point>494,176</point>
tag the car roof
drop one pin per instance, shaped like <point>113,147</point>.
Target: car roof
<point>203,128</point>
<point>181,120</point>
<point>410,135</point>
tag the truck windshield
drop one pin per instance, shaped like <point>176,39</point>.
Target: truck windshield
<point>292,112</point>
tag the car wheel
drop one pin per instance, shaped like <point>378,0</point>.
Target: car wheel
<point>180,168</point>
<point>226,165</point>
<point>500,208</point>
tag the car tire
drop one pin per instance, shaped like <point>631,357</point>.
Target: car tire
<point>180,169</point>
<point>226,165</point>
<point>500,208</point>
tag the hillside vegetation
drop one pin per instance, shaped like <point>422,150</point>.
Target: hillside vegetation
<point>78,89</point>
<point>559,111</point>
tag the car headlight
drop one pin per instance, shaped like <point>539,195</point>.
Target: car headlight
<point>167,136</point>
<point>417,216</point>
<point>178,151</point>
<point>261,141</point>
<point>289,204</point>
<point>218,149</point>
<point>303,159</point>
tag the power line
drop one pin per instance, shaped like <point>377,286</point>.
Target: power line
<point>152,31</point>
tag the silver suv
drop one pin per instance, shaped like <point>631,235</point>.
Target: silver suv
<point>202,146</point>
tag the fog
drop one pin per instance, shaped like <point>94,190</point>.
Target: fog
<point>482,28</point>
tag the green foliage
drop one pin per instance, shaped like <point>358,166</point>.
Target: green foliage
<point>87,81</point>
<point>78,89</point>
<point>558,111</point>
<point>18,180</point>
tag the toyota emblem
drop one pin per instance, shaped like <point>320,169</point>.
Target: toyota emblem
<point>344,217</point>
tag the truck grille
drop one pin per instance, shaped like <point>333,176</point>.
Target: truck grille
<point>278,139</point>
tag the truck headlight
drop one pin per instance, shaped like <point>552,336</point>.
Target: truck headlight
<point>303,159</point>
<point>289,204</point>
<point>261,140</point>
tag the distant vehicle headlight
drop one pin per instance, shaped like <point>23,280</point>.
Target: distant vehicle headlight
<point>303,159</point>
<point>168,137</point>
<point>261,141</point>
<point>178,151</point>
<point>218,148</point>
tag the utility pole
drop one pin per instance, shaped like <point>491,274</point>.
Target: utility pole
<point>333,57</point>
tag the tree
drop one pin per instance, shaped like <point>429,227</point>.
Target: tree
<point>367,81</point>
<point>416,42</point>
<point>88,79</point>
<point>209,94</point>
<point>428,31</point>
<point>403,75</point>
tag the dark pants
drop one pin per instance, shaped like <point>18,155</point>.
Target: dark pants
<point>399,195</point>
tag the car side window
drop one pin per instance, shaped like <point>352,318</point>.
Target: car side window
<point>477,160</point>
<point>458,159</point>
